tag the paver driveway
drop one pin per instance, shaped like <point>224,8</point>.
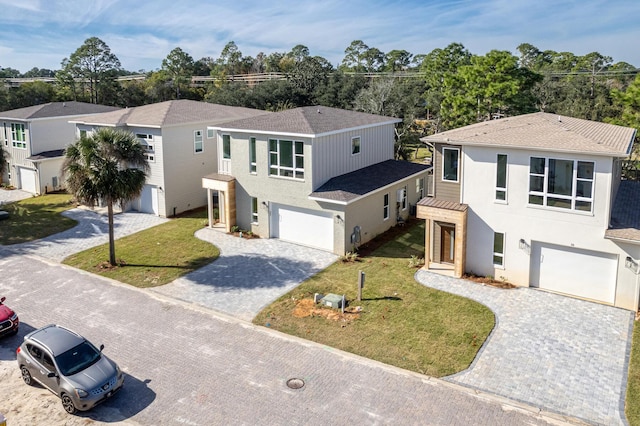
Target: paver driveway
<point>562,354</point>
<point>249,275</point>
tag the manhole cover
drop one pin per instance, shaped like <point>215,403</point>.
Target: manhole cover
<point>295,383</point>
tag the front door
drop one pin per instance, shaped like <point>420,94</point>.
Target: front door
<point>447,243</point>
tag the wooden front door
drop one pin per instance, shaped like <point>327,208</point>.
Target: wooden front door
<point>447,243</point>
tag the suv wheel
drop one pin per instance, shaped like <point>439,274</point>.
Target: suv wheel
<point>26,376</point>
<point>67,403</point>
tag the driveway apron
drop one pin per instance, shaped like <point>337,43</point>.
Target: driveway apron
<point>558,353</point>
<point>92,230</point>
<point>248,275</point>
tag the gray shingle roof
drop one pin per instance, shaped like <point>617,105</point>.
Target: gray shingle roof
<point>348,187</point>
<point>625,214</point>
<point>45,155</point>
<point>311,121</point>
<point>55,109</point>
<point>181,111</point>
<point>543,131</point>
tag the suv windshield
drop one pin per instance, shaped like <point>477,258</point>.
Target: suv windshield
<point>77,359</point>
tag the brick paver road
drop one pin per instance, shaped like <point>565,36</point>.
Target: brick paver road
<point>191,366</point>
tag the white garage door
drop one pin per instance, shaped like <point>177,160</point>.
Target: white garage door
<point>149,200</point>
<point>582,273</point>
<point>27,180</point>
<point>301,226</point>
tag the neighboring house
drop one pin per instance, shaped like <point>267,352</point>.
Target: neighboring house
<point>537,200</point>
<point>35,138</point>
<point>180,150</point>
<point>317,176</point>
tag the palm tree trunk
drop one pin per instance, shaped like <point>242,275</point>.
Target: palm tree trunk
<point>112,246</point>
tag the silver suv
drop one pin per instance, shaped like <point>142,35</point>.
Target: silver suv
<point>69,366</point>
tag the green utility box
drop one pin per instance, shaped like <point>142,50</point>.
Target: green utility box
<point>333,301</point>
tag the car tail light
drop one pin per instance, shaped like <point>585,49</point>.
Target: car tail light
<point>18,350</point>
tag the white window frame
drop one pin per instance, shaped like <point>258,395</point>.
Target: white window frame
<point>403,201</point>
<point>226,139</point>
<point>498,254</point>
<point>254,210</point>
<point>420,187</point>
<point>275,159</point>
<point>16,142</point>
<point>574,199</point>
<point>499,189</point>
<point>385,206</point>
<point>356,145</point>
<point>146,140</point>
<point>253,167</point>
<point>197,134</point>
<point>457,151</point>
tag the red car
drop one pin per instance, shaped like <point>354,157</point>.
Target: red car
<point>9,321</point>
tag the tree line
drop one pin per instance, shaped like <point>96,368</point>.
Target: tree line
<point>443,89</point>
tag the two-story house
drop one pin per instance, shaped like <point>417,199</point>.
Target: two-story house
<point>537,200</point>
<point>35,138</point>
<point>317,176</point>
<point>180,149</point>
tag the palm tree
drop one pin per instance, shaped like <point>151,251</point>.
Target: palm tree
<point>107,165</point>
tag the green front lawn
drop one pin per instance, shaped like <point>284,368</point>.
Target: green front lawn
<point>398,321</point>
<point>152,257</point>
<point>35,218</point>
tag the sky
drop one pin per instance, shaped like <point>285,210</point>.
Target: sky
<point>41,33</point>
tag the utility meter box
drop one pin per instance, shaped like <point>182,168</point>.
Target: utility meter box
<point>332,300</point>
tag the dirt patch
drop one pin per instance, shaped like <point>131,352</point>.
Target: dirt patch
<point>488,281</point>
<point>308,308</point>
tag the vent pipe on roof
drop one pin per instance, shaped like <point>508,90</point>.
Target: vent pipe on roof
<point>559,119</point>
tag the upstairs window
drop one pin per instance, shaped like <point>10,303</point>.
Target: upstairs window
<point>197,141</point>
<point>210,133</point>
<point>286,158</point>
<point>18,137</point>
<point>355,145</point>
<point>226,147</point>
<point>450,164</point>
<point>501,177</point>
<point>252,155</point>
<point>561,184</point>
<point>146,141</point>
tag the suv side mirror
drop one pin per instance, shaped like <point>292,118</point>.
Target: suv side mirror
<point>2,299</point>
<point>101,348</point>
<point>51,374</point>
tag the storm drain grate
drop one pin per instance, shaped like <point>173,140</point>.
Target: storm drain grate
<point>295,383</point>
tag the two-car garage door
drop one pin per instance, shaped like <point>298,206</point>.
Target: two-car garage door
<point>578,272</point>
<point>302,226</point>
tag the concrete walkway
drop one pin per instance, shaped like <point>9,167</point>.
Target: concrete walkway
<point>565,355</point>
<point>249,275</point>
<point>13,195</point>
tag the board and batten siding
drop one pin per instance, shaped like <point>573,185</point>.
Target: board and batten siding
<point>332,154</point>
<point>51,134</point>
<point>448,191</point>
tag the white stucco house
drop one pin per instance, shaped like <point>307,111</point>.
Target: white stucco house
<point>35,138</point>
<point>180,150</point>
<point>316,176</point>
<point>537,200</point>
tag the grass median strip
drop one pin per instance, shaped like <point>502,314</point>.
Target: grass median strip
<point>398,321</point>
<point>152,257</point>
